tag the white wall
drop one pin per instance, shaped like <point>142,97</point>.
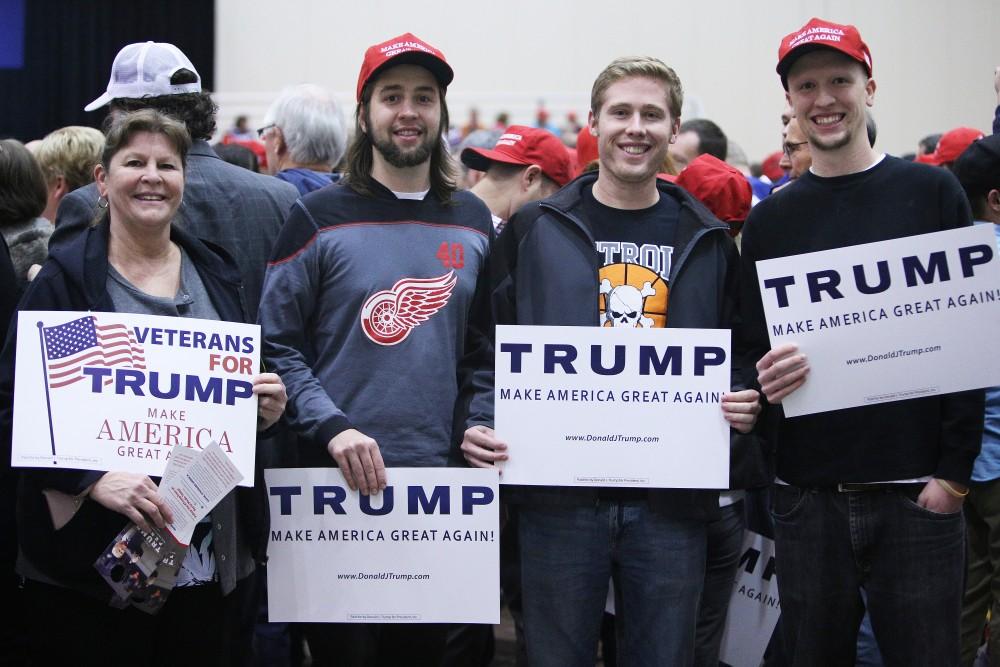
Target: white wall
<point>933,59</point>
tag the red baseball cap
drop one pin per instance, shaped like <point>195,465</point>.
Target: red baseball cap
<point>586,149</point>
<point>405,49</point>
<point>952,144</point>
<point>523,145</point>
<point>771,166</point>
<point>719,186</point>
<point>819,34</point>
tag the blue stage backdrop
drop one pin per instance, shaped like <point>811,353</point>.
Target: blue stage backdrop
<point>12,34</point>
<point>66,48</point>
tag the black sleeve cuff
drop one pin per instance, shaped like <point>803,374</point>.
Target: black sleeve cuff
<point>330,428</point>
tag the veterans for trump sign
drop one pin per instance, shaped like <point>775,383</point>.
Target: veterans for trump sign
<point>117,391</point>
<point>423,550</point>
<point>890,320</point>
<point>592,406</point>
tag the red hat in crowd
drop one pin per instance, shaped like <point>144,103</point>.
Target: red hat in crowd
<point>952,144</point>
<point>405,49</point>
<point>819,34</point>
<point>572,158</point>
<point>771,166</point>
<point>523,145</point>
<point>719,186</point>
<point>586,149</point>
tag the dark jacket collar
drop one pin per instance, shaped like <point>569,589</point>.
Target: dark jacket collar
<point>695,219</point>
<point>85,261</point>
<point>568,198</point>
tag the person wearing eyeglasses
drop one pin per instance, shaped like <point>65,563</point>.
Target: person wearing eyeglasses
<point>795,153</point>
<point>304,137</point>
<point>796,147</point>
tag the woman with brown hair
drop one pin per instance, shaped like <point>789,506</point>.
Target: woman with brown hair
<point>135,260</point>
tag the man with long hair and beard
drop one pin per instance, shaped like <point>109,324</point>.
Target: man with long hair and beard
<point>369,310</point>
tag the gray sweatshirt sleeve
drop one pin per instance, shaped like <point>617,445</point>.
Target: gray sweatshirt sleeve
<point>291,291</point>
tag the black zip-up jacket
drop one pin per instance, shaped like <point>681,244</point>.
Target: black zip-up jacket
<point>545,272</point>
<point>75,278</point>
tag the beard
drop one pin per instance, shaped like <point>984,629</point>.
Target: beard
<point>819,142</point>
<point>400,158</point>
<point>831,144</point>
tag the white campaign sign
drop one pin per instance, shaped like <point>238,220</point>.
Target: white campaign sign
<point>592,406</point>
<point>424,550</point>
<point>117,391</point>
<point>754,608</point>
<point>890,320</point>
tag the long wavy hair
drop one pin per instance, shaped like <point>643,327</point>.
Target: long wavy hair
<point>360,159</point>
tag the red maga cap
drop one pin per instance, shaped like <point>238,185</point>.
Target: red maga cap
<point>822,34</point>
<point>952,144</point>
<point>524,145</point>
<point>771,166</point>
<point>405,49</point>
<point>719,186</point>
<point>586,149</point>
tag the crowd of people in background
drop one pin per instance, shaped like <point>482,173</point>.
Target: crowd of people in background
<point>519,208</point>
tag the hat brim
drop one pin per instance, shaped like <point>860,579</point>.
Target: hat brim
<point>481,158</point>
<point>99,102</point>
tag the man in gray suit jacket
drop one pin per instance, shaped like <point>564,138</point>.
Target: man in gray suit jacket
<point>225,204</point>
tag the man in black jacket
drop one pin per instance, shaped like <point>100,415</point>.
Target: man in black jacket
<point>570,260</point>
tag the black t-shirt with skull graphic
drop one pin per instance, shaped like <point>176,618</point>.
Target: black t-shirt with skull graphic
<point>636,249</point>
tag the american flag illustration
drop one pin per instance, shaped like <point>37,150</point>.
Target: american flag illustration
<point>72,346</point>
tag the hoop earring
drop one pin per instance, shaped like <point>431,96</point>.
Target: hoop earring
<point>102,202</point>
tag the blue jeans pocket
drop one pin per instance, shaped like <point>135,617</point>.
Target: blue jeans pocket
<point>787,501</point>
<point>909,500</point>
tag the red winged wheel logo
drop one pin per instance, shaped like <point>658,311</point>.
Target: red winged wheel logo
<point>388,316</point>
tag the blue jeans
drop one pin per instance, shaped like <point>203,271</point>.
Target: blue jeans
<point>868,653</point>
<point>568,554</point>
<point>725,546</point>
<point>909,560</point>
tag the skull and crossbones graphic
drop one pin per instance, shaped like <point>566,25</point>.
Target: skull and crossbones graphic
<point>624,304</point>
